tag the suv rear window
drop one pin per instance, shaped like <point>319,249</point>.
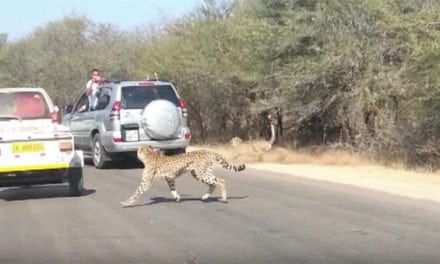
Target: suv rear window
<point>26,105</point>
<point>140,96</point>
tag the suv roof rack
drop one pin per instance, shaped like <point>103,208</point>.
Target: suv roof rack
<point>112,81</point>
<point>119,81</point>
<point>157,80</point>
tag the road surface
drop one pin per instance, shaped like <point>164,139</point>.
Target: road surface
<point>270,218</point>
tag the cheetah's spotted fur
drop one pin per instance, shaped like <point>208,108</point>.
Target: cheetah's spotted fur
<point>170,167</point>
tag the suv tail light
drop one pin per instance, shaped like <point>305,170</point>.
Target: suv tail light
<point>116,111</point>
<point>182,105</point>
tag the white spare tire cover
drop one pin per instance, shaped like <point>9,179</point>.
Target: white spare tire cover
<point>160,119</point>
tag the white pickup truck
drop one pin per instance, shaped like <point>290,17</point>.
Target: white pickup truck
<point>34,148</point>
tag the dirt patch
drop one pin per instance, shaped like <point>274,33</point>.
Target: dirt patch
<point>337,167</point>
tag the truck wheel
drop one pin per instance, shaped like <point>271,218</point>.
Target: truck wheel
<point>99,155</point>
<point>76,181</point>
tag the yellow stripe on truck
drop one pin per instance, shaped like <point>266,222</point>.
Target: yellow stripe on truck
<point>35,167</point>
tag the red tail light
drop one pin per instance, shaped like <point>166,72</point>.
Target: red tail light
<point>116,111</point>
<point>182,103</point>
<point>65,146</point>
<point>116,106</point>
<point>54,117</point>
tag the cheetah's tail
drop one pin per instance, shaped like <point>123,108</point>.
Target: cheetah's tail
<point>230,167</point>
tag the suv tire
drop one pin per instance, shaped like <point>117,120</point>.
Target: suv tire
<point>160,119</point>
<point>99,155</point>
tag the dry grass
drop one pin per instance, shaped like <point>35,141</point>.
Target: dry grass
<point>280,155</point>
<point>339,167</point>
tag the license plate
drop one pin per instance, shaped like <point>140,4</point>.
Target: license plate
<point>131,135</point>
<point>18,148</point>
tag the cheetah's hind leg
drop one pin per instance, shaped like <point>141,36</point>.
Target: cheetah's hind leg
<point>212,181</point>
<point>211,187</point>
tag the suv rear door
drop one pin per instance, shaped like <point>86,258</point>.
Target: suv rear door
<point>134,98</point>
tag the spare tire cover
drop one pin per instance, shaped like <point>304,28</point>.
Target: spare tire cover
<point>160,119</point>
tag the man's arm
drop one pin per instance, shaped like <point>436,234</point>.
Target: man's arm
<point>88,89</point>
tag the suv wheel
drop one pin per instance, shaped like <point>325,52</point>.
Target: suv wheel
<point>76,181</point>
<point>99,155</point>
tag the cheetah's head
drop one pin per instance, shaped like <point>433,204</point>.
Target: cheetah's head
<point>145,151</point>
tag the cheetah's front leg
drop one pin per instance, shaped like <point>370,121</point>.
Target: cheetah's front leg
<point>143,187</point>
<point>172,185</point>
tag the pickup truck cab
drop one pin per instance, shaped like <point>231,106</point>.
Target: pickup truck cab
<point>34,148</point>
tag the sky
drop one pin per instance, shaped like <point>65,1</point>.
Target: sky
<point>18,18</point>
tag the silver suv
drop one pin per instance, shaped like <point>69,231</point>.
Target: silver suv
<point>126,115</point>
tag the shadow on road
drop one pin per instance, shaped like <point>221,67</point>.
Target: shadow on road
<point>157,200</point>
<point>38,192</point>
<point>118,164</point>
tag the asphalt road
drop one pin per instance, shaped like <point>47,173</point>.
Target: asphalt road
<point>270,218</point>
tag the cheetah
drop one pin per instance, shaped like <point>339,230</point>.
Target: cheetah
<point>199,163</point>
